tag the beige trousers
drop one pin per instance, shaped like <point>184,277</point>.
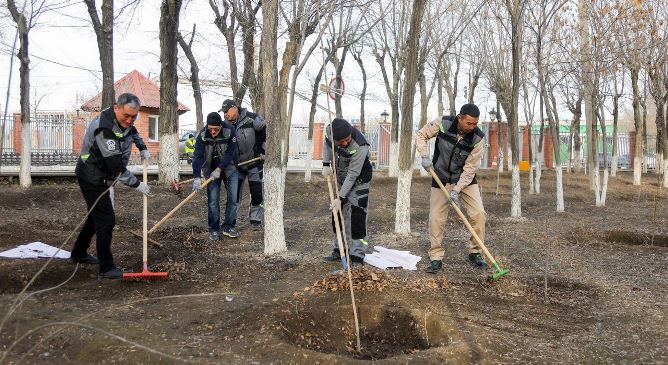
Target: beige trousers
<point>438,215</point>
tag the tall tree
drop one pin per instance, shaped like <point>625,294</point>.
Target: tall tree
<point>274,170</point>
<point>168,127</point>
<point>104,32</point>
<point>194,76</point>
<point>402,223</point>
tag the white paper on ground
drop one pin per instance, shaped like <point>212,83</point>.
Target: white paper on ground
<point>388,258</point>
<point>35,250</point>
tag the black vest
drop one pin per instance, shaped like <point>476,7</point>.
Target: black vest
<point>449,155</point>
<point>219,143</point>
<point>358,137</point>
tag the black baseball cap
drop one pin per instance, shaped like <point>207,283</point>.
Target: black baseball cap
<point>227,104</point>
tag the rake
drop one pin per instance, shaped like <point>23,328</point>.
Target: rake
<point>499,272</point>
<point>145,273</point>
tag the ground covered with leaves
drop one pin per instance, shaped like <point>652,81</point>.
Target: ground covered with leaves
<point>586,286</point>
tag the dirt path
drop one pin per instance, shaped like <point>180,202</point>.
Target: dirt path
<point>586,286</point>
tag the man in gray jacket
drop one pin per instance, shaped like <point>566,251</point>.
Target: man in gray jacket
<point>251,139</point>
<point>353,175</point>
<point>104,158</point>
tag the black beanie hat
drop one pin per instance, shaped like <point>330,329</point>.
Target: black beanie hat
<point>470,109</point>
<point>214,119</point>
<point>341,129</point>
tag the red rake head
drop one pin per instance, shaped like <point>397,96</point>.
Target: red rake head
<point>145,274</point>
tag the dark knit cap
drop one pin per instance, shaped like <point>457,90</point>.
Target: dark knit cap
<point>341,129</point>
<point>470,109</point>
<point>214,119</point>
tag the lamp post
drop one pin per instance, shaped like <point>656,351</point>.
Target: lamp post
<point>384,114</point>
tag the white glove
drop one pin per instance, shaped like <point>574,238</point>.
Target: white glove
<point>144,189</point>
<point>326,171</point>
<point>145,155</point>
<point>335,205</point>
<point>426,163</point>
<point>216,173</point>
<point>197,184</point>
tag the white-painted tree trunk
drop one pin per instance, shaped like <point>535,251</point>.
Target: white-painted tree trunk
<point>560,187</point>
<point>516,200</point>
<point>26,148</point>
<point>393,170</point>
<point>168,166</point>
<point>531,179</point>
<point>274,231</point>
<point>597,187</point>
<point>539,172</point>
<point>637,170</point>
<point>510,157</point>
<point>613,165</point>
<point>604,190</point>
<point>644,165</point>
<point>402,222</point>
<point>664,167</point>
<point>499,164</point>
<point>309,160</point>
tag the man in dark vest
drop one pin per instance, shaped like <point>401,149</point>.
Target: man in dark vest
<point>353,175</point>
<point>251,137</point>
<point>457,154</point>
<point>216,156</point>
<point>105,153</point>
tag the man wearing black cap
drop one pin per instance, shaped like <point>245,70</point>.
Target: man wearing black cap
<point>251,137</point>
<point>457,154</point>
<point>216,156</point>
<point>353,175</point>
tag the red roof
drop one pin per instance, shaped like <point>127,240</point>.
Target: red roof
<point>138,84</point>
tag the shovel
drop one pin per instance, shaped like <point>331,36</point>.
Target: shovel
<point>499,271</point>
<point>145,273</point>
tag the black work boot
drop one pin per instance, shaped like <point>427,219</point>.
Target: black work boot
<point>334,256</point>
<point>477,260</point>
<point>114,273</point>
<point>356,261</point>
<point>88,259</point>
<point>434,267</point>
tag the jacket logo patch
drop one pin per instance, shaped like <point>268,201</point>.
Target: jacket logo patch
<point>111,145</point>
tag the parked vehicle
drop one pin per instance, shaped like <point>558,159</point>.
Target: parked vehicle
<point>622,161</point>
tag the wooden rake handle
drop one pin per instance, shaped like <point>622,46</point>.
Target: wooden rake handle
<point>463,217</point>
<point>179,206</point>
<point>250,161</point>
<point>337,223</point>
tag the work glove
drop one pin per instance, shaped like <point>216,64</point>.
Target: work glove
<point>144,189</point>
<point>454,197</point>
<point>326,171</point>
<point>197,184</point>
<point>426,163</point>
<point>216,173</point>
<point>145,155</point>
<point>336,204</point>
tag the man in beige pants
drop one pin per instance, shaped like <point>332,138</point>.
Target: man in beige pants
<point>457,154</point>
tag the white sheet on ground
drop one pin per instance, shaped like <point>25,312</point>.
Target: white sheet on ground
<point>385,258</point>
<point>35,250</point>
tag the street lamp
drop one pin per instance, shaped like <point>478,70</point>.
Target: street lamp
<point>384,114</point>
<point>492,115</point>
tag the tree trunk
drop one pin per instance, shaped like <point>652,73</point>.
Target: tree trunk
<point>360,62</point>
<point>637,153</point>
<point>424,104</point>
<point>615,119</point>
<point>402,223</point>
<point>194,77</point>
<point>513,122</point>
<point>554,131</point>
<point>168,127</point>
<point>104,31</point>
<point>25,179</point>
<point>311,119</point>
<point>274,170</point>
<point>394,134</point>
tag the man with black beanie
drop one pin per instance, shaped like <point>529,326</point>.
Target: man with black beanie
<point>216,157</point>
<point>457,154</point>
<point>353,175</point>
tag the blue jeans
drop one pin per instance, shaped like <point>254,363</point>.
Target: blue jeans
<point>231,205</point>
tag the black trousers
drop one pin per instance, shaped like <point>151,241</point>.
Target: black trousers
<point>100,222</point>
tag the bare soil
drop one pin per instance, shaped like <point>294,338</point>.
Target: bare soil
<point>585,286</point>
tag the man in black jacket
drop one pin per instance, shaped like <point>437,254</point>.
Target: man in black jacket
<point>216,156</point>
<point>104,157</point>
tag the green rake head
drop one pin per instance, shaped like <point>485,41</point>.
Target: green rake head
<point>498,273</point>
